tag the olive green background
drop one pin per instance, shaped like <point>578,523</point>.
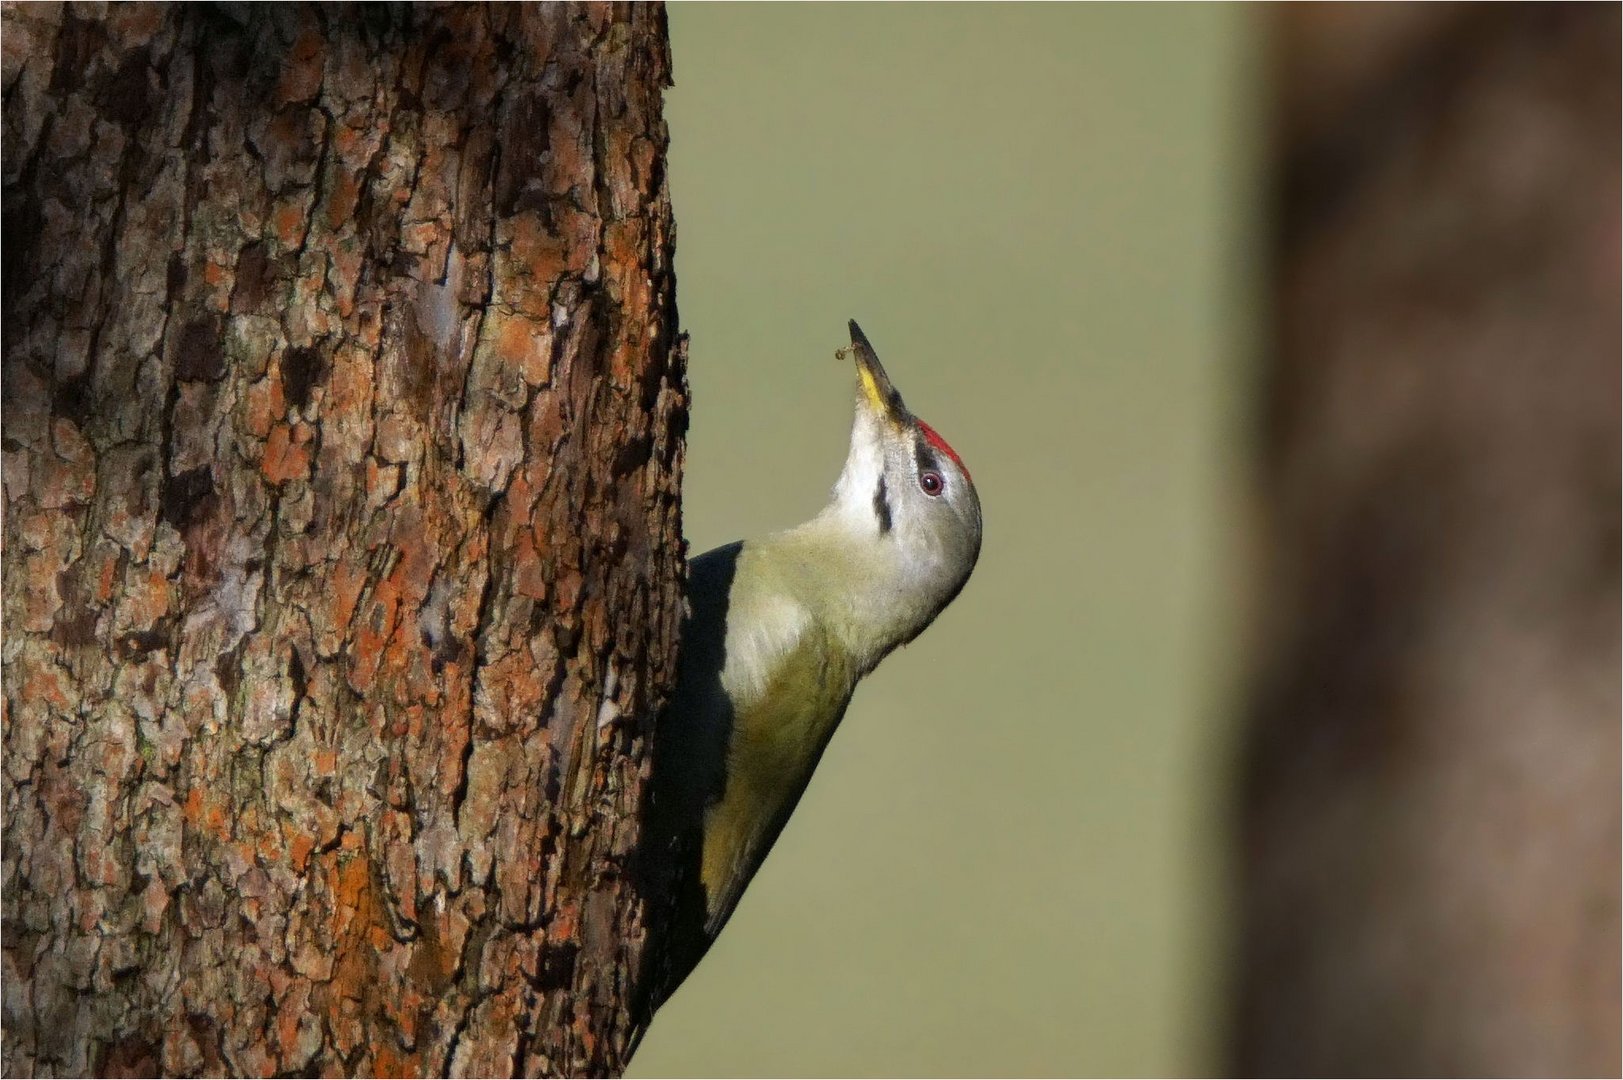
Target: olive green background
<point>1010,861</point>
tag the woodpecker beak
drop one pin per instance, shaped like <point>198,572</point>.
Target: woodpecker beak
<point>883,398</point>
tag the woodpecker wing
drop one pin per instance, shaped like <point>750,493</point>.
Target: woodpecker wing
<point>786,707</point>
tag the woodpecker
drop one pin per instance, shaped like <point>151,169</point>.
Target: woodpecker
<point>777,634</point>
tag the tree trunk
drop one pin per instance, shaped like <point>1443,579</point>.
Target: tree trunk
<point>343,414</point>
<point>1431,820</point>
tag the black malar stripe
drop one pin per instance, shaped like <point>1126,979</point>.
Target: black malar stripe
<point>881,506</point>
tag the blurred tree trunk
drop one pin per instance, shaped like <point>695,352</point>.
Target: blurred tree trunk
<point>1431,804</point>
<point>343,407</point>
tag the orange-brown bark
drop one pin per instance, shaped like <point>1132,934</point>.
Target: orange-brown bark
<point>342,429</point>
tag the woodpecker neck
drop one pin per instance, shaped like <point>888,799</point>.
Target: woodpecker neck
<point>854,585</point>
<point>875,588</point>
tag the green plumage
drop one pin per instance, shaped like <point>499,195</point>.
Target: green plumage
<point>753,713</point>
<point>779,727</point>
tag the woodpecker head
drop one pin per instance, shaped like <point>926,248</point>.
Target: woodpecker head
<point>908,494</point>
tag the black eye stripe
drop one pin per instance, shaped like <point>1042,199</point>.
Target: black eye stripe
<point>925,457</point>
<point>881,506</point>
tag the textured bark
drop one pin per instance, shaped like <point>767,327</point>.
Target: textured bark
<point>343,407</point>
<point>1430,846</point>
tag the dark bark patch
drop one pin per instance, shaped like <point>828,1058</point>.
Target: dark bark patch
<point>296,674</point>
<point>176,275</point>
<point>77,41</point>
<point>124,95</point>
<point>478,174</point>
<point>77,628</point>
<point>22,224</point>
<point>188,497</point>
<point>302,368</point>
<point>288,143</point>
<point>141,643</point>
<point>524,149</point>
<point>557,965</point>
<point>418,362</point>
<point>253,282</point>
<point>72,399</point>
<point>200,352</point>
<point>633,454</point>
<point>132,1056</point>
<point>142,490</point>
<point>228,671</point>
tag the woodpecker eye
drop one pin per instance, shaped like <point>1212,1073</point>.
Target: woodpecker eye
<point>930,481</point>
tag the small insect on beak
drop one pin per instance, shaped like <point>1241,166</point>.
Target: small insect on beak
<point>881,396</point>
